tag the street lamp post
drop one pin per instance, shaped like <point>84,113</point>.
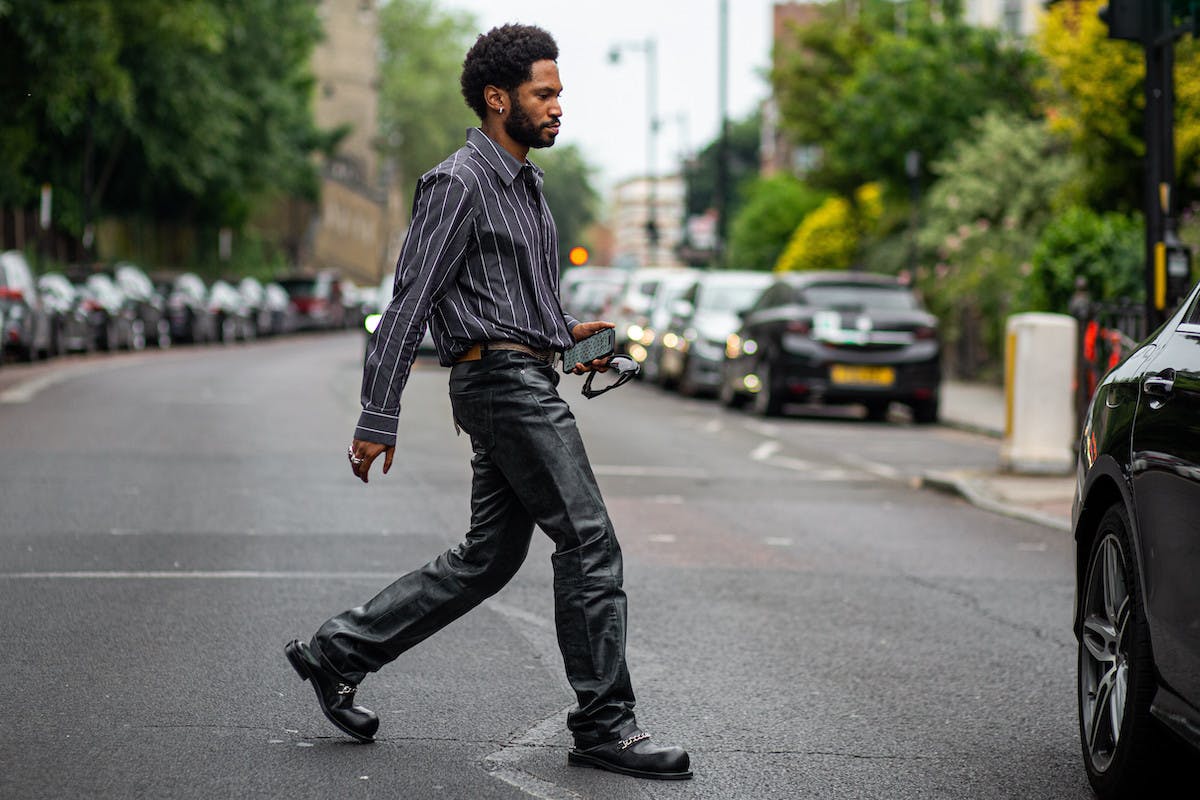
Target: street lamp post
<point>650,50</point>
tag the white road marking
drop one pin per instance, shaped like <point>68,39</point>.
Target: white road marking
<point>613,470</point>
<point>667,499</point>
<point>713,426</point>
<point>765,451</point>
<point>194,575</point>
<point>665,538</point>
<point>778,541</point>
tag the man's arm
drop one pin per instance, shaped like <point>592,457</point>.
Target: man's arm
<point>429,261</point>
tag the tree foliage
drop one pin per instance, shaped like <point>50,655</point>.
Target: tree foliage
<point>569,193</point>
<point>829,238</point>
<point>1105,249</point>
<point>700,174</point>
<point>774,206</point>
<point>983,219</point>
<point>1092,90</point>
<point>172,110</point>
<point>422,115</point>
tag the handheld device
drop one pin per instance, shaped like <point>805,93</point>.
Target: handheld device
<point>599,345</point>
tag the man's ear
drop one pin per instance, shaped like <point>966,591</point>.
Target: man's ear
<point>496,99</point>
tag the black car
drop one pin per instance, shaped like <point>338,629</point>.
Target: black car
<point>1137,547</point>
<point>835,338</point>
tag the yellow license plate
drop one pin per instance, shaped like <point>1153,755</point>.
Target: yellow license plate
<point>848,375</point>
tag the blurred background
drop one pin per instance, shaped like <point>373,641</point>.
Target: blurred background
<point>989,152</point>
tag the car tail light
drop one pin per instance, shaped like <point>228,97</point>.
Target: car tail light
<point>925,333</point>
<point>9,293</point>
<point>799,326</point>
<point>91,305</point>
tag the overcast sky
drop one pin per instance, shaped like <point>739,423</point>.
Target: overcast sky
<point>604,105</point>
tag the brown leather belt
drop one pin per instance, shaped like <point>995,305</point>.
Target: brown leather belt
<point>476,351</point>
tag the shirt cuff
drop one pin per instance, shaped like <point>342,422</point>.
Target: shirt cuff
<point>379,428</point>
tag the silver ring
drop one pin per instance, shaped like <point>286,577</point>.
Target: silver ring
<point>356,461</point>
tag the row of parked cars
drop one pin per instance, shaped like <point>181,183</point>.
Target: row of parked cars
<point>121,307</point>
<point>765,340</point>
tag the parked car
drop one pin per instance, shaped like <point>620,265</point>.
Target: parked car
<point>694,337</point>
<point>586,291</point>
<point>230,312</point>
<point>835,337</point>
<point>70,330</point>
<point>254,297</point>
<point>1137,555</point>
<point>24,321</point>
<point>150,323</point>
<point>188,311</point>
<point>671,287</point>
<point>279,309</point>
<point>383,298</point>
<point>317,300</point>
<point>630,309</point>
<point>110,313</point>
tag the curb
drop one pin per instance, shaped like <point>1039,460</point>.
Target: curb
<point>955,485</point>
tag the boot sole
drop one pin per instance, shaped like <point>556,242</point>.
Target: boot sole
<point>292,651</point>
<point>581,760</point>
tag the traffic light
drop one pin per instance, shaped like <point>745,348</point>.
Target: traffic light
<point>1127,19</point>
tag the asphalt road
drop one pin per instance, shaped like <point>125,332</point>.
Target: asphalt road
<point>802,619</point>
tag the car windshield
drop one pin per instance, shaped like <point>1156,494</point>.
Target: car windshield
<point>858,296</point>
<point>729,297</point>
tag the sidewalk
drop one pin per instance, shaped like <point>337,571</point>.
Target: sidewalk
<point>1044,499</point>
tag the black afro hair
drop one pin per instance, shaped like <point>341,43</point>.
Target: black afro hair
<point>503,57</point>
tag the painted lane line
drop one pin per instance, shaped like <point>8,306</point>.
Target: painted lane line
<point>765,451</point>
<point>664,538</point>
<point>618,471</point>
<point>778,541</point>
<point>142,575</point>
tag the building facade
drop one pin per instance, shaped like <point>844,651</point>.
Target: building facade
<point>629,218</point>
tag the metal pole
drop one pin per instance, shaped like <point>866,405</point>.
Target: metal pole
<point>722,187</point>
<point>1160,160</point>
<point>651,149</point>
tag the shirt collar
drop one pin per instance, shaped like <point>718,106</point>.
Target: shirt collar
<point>499,159</point>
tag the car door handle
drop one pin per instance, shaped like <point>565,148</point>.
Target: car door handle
<point>1160,385</point>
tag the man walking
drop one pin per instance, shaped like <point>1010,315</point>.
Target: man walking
<point>480,265</point>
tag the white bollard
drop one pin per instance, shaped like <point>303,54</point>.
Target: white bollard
<point>1039,378</point>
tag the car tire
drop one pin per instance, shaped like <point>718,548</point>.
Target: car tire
<point>925,412</point>
<point>728,397</point>
<point>877,410</point>
<point>137,335</point>
<point>687,380</point>
<point>1121,741</point>
<point>767,401</point>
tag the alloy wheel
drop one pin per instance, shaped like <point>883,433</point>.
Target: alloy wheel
<point>1105,652</point>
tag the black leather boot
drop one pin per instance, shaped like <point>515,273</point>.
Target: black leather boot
<point>632,754</point>
<point>335,697</point>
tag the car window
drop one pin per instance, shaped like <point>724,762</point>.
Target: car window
<point>859,296</point>
<point>728,297</point>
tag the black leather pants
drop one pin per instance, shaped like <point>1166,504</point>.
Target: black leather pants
<point>529,468</point>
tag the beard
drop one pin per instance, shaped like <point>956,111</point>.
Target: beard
<point>525,131</point>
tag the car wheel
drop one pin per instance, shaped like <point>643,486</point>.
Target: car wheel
<point>767,400</point>
<point>163,339</point>
<point>687,380</point>
<point>728,397</point>
<point>228,330</point>
<point>877,410</point>
<point>925,412</point>
<point>137,335</point>
<point>1121,741</point>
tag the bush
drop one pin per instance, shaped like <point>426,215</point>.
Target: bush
<point>829,237</point>
<point>774,207</point>
<point>1105,249</point>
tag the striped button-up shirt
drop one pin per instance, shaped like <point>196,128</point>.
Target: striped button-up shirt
<point>479,263</point>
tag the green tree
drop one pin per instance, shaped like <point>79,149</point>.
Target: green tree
<point>982,220</point>
<point>569,193</point>
<point>422,114</point>
<point>920,92</point>
<point>1092,90</point>
<point>773,207</point>
<point>700,173</point>
<point>1105,249</point>
<point>167,110</point>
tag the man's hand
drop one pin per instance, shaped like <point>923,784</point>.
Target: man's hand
<point>581,332</point>
<point>362,454</point>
